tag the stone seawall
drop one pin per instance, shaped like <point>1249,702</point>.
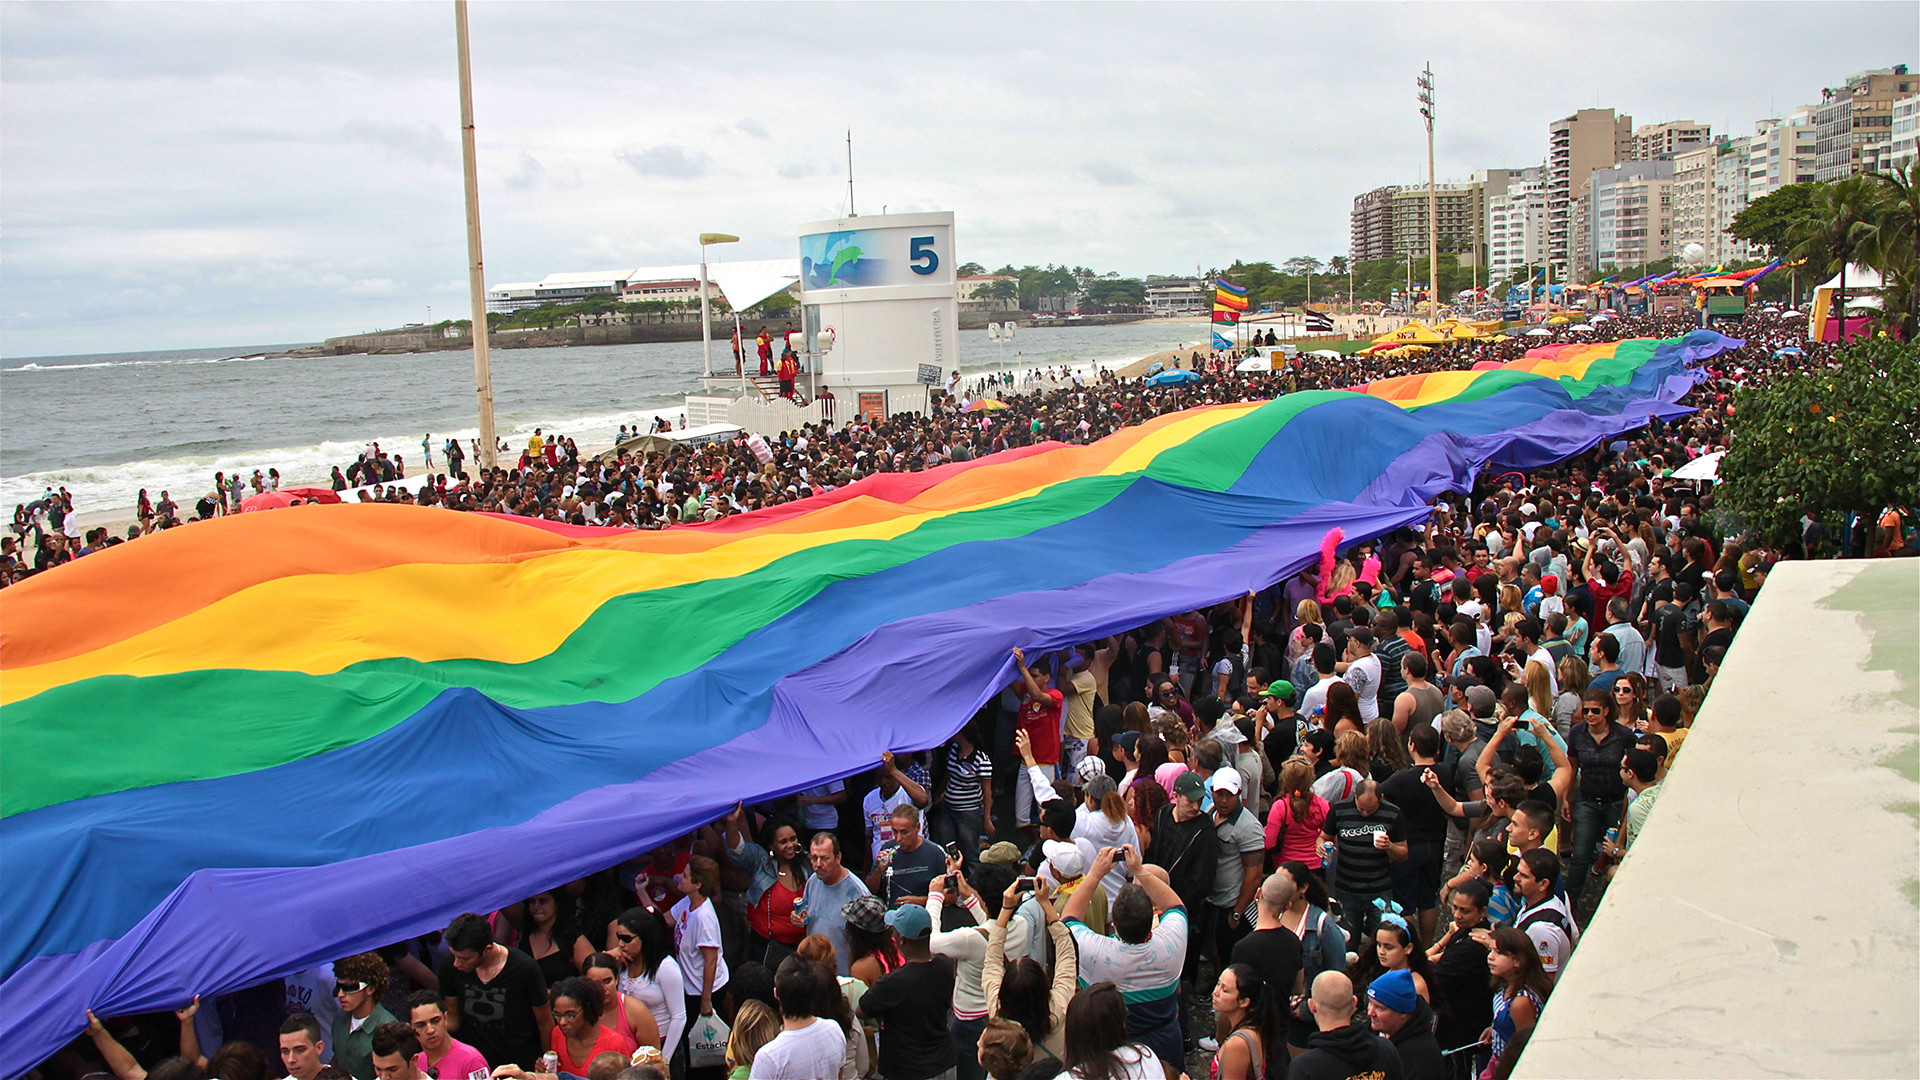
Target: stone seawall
<point>411,340</point>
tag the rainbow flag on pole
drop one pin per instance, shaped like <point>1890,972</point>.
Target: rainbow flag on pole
<point>1228,295</point>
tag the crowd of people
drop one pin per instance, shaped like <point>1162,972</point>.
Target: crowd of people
<point>1348,825</point>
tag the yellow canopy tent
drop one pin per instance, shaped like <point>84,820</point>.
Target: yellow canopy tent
<point>1414,333</point>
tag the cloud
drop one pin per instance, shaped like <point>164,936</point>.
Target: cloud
<point>370,287</point>
<point>752,127</point>
<point>420,143</point>
<point>795,170</point>
<point>526,174</point>
<point>672,162</point>
<point>1107,174</point>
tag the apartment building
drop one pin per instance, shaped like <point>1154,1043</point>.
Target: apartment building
<point>1696,216</point>
<point>1664,142</point>
<point>1577,145</point>
<point>1516,228</point>
<point>1905,145</point>
<point>1852,117</point>
<point>1388,222</point>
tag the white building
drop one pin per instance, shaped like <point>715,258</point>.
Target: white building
<point>1731,193</point>
<point>1176,296</point>
<point>1696,204</point>
<point>1905,145</point>
<point>679,283</point>
<point>1516,226</point>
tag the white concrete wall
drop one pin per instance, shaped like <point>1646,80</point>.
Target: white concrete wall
<point>1767,921</point>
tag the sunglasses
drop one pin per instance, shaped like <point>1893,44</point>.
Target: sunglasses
<point>1592,712</point>
<point>348,987</point>
<point>618,936</point>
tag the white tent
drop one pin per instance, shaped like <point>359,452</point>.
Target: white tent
<point>747,282</point>
<point>1858,277</point>
<point>1704,467</point>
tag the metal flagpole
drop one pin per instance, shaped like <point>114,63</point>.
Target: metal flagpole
<point>476,272</point>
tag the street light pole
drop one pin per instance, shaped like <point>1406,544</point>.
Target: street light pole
<point>706,320</point>
<point>476,271</point>
<point>1433,221</point>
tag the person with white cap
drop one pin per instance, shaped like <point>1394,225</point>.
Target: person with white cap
<point>1241,853</point>
<point>1065,869</point>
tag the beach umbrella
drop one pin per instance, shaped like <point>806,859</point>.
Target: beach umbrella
<point>1580,328</point>
<point>314,494</point>
<point>985,404</point>
<point>272,500</point>
<point>1539,331</point>
<point>1325,353</point>
<point>1704,467</point>
<point>1176,377</point>
<point>1791,350</point>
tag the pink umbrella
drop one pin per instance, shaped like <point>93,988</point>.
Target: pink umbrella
<point>274,500</point>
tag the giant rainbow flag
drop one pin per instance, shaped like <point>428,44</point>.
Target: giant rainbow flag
<point>244,747</point>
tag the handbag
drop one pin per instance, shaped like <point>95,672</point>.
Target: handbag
<point>707,1042</point>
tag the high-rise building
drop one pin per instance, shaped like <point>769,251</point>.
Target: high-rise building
<point>1906,133</point>
<point>1623,217</point>
<point>1781,152</point>
<point>1663,142</point>
<point>1850,118</point>
<point>1729,198</point>
<point>1516,227</point>
<point>1390,221</point>
<point>1576,145</point>
<point>1695,202</point>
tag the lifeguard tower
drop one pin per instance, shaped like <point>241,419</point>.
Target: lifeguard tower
<point>879,327</point>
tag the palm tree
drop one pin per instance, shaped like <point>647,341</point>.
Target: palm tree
<point>1896,249</point>
<point>1839,228</point>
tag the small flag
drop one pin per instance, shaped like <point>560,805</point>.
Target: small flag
<point>1220,342</point>
<point>1225,315</point>
<point>1223,283</point>
<point>1317,321</point>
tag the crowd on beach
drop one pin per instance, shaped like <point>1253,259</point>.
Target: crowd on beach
<point>1350,825</point>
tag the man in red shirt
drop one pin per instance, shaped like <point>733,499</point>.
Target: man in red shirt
<point>1040,706</point>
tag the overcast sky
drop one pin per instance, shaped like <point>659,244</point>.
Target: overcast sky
<point>208,174</point>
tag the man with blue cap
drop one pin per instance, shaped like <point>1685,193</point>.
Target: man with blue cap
<point>1405,1018</point>
<point>913,1002</point>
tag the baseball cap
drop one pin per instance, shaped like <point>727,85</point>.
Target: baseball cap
<point>867,913</point>
<point>1549,584</point>
<point>1280,688</point>
<point>1003,853</point>
<point>912,920</point>
<point>1128,739</point>
<point>1190,785</point>
<point>1089,768</point>
<point>1482,699</point>
<point>1064,858</point>
<point>1395,991</point>
<point>1227,780</point>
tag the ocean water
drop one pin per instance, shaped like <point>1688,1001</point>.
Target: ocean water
<point>105,426</point>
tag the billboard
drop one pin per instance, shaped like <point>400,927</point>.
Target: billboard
<point>865,258</point>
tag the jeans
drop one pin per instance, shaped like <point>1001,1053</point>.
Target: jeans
<point>1361,917</point>
<point>1591,819</point>
<point>966,1048</point>
<point>962,827</point>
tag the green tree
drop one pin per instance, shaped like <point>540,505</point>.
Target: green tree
<point>970,269</point>
<point>1825,441</point>
<point>1107,294</point>
<point>1772,218</point>
<point>999,290</point>
<point>1842,226</point>
<point>1896,247</point>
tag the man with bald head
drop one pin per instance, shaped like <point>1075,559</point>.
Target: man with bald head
<point>1340,1050</point>
<point>1272,949</point>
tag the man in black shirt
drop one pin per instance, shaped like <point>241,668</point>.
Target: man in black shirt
<point>1271,949</point>
<point>496,997</point>
<point>1416,879</point>
<point>1368,834</point>
<point>913,1002</point>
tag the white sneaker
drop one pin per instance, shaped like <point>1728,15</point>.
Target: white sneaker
<point>1209,1044</point>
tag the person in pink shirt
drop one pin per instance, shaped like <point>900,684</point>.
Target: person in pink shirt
<point>441,1056</point>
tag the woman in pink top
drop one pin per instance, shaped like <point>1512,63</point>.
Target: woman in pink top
<point>1293,825</point>
<point>578,1034</point>
<point>622,1014</point>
